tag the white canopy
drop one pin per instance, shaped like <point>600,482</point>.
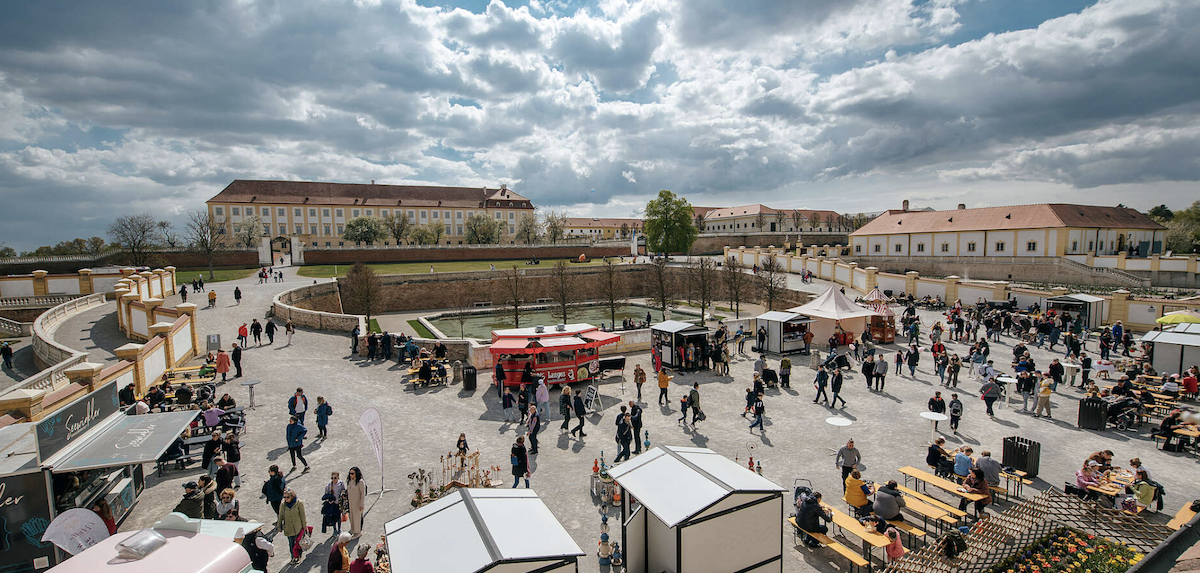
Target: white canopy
<point>780,316</point>
<point>675,483</point>
<point>472,529</point>
<point>676,326</point>
<point>834,305</point>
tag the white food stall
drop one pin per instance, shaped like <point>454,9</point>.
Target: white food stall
<point>785,331</point>
<point>473,530</point>
<point>836,314</point>
<point>691,510</point>
<point>670,335</point>
<point>1089,309</point>
<point>1176,350</point>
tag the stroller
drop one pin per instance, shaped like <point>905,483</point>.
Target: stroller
<point>801,491</point>
<point>837,360</point>
<point>770,378</point>
<point>1125,413</point>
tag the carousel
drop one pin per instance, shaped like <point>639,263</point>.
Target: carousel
<point>883,324</point>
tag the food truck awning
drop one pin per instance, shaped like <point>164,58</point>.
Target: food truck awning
<point>131,440</point>
<point>535,346</point>
<point>674,326</point>
<point>472,529</point>
<point>18,448</point>
<point>780,316</point>
<point>512,346</point>
<point>1075,298</point>
<point>596,338</point>
<point>561,343</point>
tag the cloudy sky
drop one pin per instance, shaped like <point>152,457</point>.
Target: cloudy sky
<point>594,105</point>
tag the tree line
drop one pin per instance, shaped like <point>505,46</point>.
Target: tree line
<point>478,229</point>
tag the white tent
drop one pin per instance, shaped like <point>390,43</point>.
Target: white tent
<point>692,510</point>
<point>833,308</point>
<point>1175,350</point>
<point>474,530</point>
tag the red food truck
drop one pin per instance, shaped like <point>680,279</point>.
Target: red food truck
<point>564,353</point>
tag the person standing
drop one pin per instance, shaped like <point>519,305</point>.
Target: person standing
<point>212,448</point>
<point>759,409</point>
<point>624,435</point>
<point>808,338</point>
<point>354,334</point>
<point>836,385</point>
<point>847,458</point>
<point>1056,372</point>
<point>509,403</point>
<point>956,412</point>
<point>952,370</point>
<point>564,407</point>
<point>295,442</point>
<point>532,427</point>
<point>520,462</point>
<point>274,488</point>
<point>237,295</point>
<point>639,378</point>
<point>356,491</point>
<point>289,329</point>
<point>785,372</point>
<point>1043,402</point>
<point>664,380</point>
<point>937,405</point>
<point>270,330</point>
<point>635,421</point>
<point>298,405</point>
<point>226,472</point>
<point>880,371</point>
<point>192,504</point>
<point>542,397</point>
<point>1085,369</point>
<point>292,522</point>
<point>256,331</point>
<point>222,364</point>
<point>363,563</point>
<point>1025,388</point>
<point>820,383</point>
<point>236,356</point>
<point>243,335</point>
<point>7,352</point>
<point>323,412</point>
<point>580,412</point>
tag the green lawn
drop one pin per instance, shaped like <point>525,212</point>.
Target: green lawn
<point>420,329</point>
<point>220,275</point>
<point>326,271</point>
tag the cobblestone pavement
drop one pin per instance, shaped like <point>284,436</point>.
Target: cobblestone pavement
<point>420,426</point>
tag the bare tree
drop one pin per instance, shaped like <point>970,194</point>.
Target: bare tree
<point>624,230</point>
<point>702,279</point>
<point>797,219</point>
<point>249,231</point>
<point>661,285</point>
<point>511,287</point>
<point>169,235</point>
<point>760,220</point>
<point>204,236</point>
<point>780,218</point>
<point>461,300</point>
<point>361,290</point>
<point>772,281</point>
<point>816,221</point>
<point>562,286</point>
<point>528,228</point>
<point>138,234</point>
<point>701,222</point>
<point>611,288</point>
<point>398,225</point>
<point>736,284</point>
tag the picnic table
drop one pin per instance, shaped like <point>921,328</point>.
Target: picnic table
<point>943,484</point>
<point>869,538</point>
<point>1182,517</point>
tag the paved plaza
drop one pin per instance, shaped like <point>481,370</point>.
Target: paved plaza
<point>420,426</point>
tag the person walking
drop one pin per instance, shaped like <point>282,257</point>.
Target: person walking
<point>289,329</point>
<point>820,383</point>
<point>520,462</point>
<point>952,371</point>
<point>937,405</point>
<point>1046,389</point>
<point>226,472</point>
<point>222,364</point>
<point>243,334</point>
<point>880,371</point>
<point>694,403</point>
<point>298,405</point>
<point>323,412</point>
<point>836,385</point>
<point>7,352</point>
<point>236,356</point>
<point>1085,369</point>
<point>635,421</point>
<point>580,412</point>
<point>270,330</point>
<point>624,435</point>
<point>564,407</point>
<point>292,522</point>
<point>868,371</point>
<point>1024,387</point>
<point>237,295</point>
<point>533,426</point>
<point>847,458</point>
<point>183,293</point>
<point>664,379</point>
<point>912,359</point>
<point>274,488</point>
<point>990,392</point>
<point>354,334</point>
<point>639,378</point>
<point>956,411</point>
<point>356,493</point>
<point>212,298</point>
<point>295,442</point>
<point>542,397</point>
<point>256,330</point>
<point>759,409</point>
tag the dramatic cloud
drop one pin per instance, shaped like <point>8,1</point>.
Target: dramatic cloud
<point>839,105</point>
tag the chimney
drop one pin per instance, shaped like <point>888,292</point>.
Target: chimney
<point>905,205</point>
<point>962,206</point>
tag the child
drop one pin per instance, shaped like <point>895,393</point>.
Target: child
<point>750,398</point>
<point>331,514</point>
<point>324,411</point>
<point>894,549</point>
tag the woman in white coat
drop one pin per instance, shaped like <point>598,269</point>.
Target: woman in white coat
<point>356,488</point>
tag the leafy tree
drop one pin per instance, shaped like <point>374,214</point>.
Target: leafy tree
<point>7,252</point>
<point>1191,214</point>
<point>702,278</point>
<point>529,229</point>
<point>427,234</point>
<point>249,231</point>
<point>482,230</point>
<point>365,230</point>
<point>772,281</point>
<point>562,287</point>
<point>138,234</point>
<point>96,246</point>
<point>398,225</point>
<point>1182,237</point>
<point>435,230</point>
<point>736,284</point>
<point>668,224</point>
<point>361,290</point>
<point>611,287</point>
<point>661,285</point>
<point>204,236</point>
<point>512,287</point>
<point>555,225</point>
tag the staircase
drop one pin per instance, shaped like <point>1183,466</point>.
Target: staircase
<point>1114,274</point>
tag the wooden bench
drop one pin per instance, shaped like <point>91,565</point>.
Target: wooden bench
<point>999,490</point>
<point>954,511</point>
<point>1182,517</point>
<point>913,531</point>
<point>855,559</point>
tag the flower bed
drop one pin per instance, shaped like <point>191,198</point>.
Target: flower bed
<point>1071,551</point>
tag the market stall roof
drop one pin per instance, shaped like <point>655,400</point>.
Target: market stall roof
<point>18,448</point>
<point>560,342</point>
<point>877,295</point>
<point>883,309</point>
<point>547,331</point>
<point>597,338</point>
<point>675,483</point>
<point>471,529</point>
<point>1187,328</point>
<point>1172,337</point>
<point>1078,298</point>
<point>675,326</point>
<point>131,440</point>
<point>511,346</point>
<point>780,316</point>
<point>834,305</point>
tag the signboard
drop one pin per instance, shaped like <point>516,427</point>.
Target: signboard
<point>24,517</point>
<point>590,396</point>
<point>131,440</point>
<point>66,424</point>
<point>212,342</point>
<point>372,424</point>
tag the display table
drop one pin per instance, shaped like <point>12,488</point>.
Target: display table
<point>934,418</point>
<point>250,384</point>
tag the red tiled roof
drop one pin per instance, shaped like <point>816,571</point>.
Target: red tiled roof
<point>746,210</point>
<point>1052,215</point>
<point>319,193</point>
<point>603,222</point>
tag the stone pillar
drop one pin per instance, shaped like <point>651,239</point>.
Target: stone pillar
<point>148,277</point>
<point>162,284</point>
<point>39,283</point>
<point>1091,259</point>
<point>128,271</point>
<point>126,300</point>
<point>1000,291</point>
<point>151,304</point>
<point>910,282</point>
<point>120,293</point>
<point>725,253</point>
<point>850,279</point>
<point>1118,307</point>
<point>1191,268</point>
<point>26,402</point>
<point>174,279</point>
<point>164,329</point>
<point>872,278</point>
<point>190,310</point>
<point>951,289</point>
<point>86,374</point>
<point>85,281</point>
<point>132,352</point>
<point>1121,256</point>
<point>757,254</point>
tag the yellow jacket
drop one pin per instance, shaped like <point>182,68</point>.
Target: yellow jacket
<point>854,492</point>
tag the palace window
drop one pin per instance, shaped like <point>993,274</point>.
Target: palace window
<point>857,248</point>
<point>945,247</point>
<point>877,248</point>
<point>281,212</point>
<point>218,211</point>
<point>266,212</point>
<point>971,247</point>
<point>999,246</point>
<point>899,248</point>
<point>920,247</point>
<point>327,232</point>
<point>282,229</point>
<point>313,213</point>
<point>368,212</point>
<point>266,229</point>
<point>341,229</point>
<point>299,229</point>
<point>354,213</point>
<point>324,212</point>
<point>312,229</point>
<point>236,211</point>
<point>1031,246</point>
<point>297,212</point>
<point>339,212</point>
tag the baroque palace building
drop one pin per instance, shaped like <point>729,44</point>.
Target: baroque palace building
<point>317,212</point>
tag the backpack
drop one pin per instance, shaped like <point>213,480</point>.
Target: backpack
<point>258,557</point>
<point>952,544</point>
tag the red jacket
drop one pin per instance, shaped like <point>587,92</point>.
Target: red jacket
<point>223,363</point>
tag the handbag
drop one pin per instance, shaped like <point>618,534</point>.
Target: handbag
<point>513,460</point>
<point>305,541</point>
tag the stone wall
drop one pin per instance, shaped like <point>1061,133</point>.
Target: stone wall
<point>1049,270</point>
<point>290,305</point>
<point>465,253</point>
<point>224,259</point>
<point>714,244</point>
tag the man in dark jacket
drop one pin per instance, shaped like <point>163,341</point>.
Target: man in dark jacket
<point>624,435</point>
<point>821,381</point>
<point>236,355</point>
<point>1056,371</point>
<point>564,406</point>
<point>192,504</point>
<point>126,395</point>
<point>635,420</point>
<point>888,502</point>
<point>580,411</point>
<point>937,405</point>
<point>812,517</point>
<point>211,449</point>
<point>271,331</point>
<point>183,395</point>
<point>256,331</point>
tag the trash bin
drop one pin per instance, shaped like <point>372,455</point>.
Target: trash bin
<point>1022,454</point>
<point>1093,414</point>
<point>469,374</point>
